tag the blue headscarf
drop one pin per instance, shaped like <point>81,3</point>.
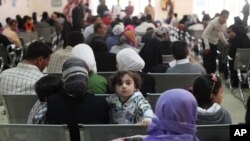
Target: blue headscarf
<point>176,112</point>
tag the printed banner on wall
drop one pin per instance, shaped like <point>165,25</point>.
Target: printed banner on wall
<point>56,3</point>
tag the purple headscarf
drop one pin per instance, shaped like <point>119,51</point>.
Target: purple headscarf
<point>176,112</point>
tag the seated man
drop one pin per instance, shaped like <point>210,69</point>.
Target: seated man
<point>183,65</point>
<point>10,33</point>
<point>60,56</point>
<point>21,79</point>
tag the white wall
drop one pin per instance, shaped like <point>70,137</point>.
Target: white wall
<point>10,9</point>
<point>24,7</point>
<point>215,6</point>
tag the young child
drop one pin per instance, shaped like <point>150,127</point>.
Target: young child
<point>128,105</point>
<point>44,87</point>
<point>207,90</point>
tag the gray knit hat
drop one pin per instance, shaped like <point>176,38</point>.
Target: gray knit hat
<point>75,77</point>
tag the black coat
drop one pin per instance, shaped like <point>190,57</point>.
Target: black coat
<point>63,109</point>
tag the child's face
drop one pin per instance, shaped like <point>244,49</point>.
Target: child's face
<point>126,88</point>
<point>218,98</point>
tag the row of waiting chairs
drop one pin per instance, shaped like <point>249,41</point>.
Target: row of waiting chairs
<point>164,81</point>
<point>18,106</point>
<point>98,132</point>
<point>10,56</point>
<point>242,66</point>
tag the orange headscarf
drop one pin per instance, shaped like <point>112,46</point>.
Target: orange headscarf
<point>131,37</point>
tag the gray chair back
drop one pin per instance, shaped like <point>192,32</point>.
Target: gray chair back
<point>152,99</point>
<point>107,132</point>
<point>166,81</point>
<point>106,74</point>
<point>213,132</point>
<point>25,132</point>
<point>28,36</point>
<point>242,59</point>
<point>18,107</point>
<point>45,32</point>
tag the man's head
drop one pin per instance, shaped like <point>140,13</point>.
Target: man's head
<point>223,16</point>
<point>13,25</point>
<point>180,50</point>
<point>100,29</point>
<point>38,54</point>
<point>149,2</point>
<point>48,85</point>
<point>75,38</point>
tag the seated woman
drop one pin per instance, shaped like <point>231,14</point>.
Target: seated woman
<point>96,83</point>
<point>176,112</point>
<point>207,90</point>
<point>237,39</point>
<point>75,105</point>
<point>128,59</point>
<point>127,40</point>
<point>156,46</point>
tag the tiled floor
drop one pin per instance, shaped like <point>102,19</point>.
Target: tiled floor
<point>234,105</point>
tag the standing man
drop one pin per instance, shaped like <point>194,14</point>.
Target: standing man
<point>150,10</point>
<point>102,7</point>
<point>211,35</point>
<point>116,10</point>
<point>245,12</point>
<point>129,9</point>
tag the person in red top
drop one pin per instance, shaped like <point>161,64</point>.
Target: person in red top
<point>106,19</point>
<point>28,25</point>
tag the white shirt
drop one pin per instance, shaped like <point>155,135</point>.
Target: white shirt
<point>116,10</point>
<point>214,32</point>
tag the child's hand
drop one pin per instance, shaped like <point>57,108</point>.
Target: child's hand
<point>146,122</point>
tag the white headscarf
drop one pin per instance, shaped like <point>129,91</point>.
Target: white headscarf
<point>118,29</point>
<point>128,59</point>
<point>84,52</point>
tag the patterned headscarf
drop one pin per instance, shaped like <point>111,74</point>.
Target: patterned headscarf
<point>176,112</point>
<point>162,34</point>
<point>128,59</point>
<point>75,77</point>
